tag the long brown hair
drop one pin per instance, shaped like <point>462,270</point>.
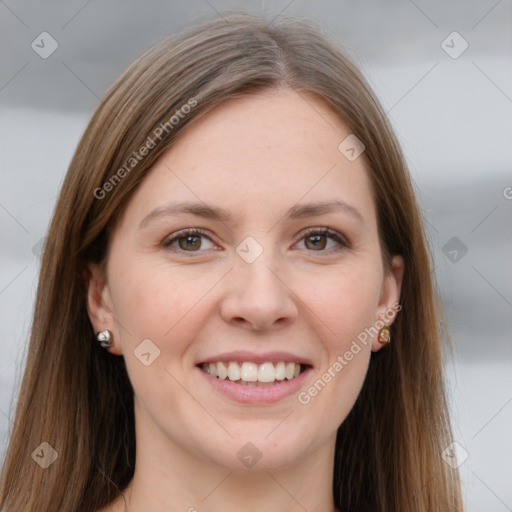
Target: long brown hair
<point>78,398</point>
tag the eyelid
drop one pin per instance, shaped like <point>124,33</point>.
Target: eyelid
<point>342,241</point>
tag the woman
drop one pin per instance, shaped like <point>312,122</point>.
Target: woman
<point>235,305</point>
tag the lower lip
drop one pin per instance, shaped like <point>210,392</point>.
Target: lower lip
<point>256,395</point>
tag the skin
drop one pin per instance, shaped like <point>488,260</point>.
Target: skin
<point>256,156</point>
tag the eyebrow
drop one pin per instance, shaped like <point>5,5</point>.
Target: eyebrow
<point>219,214</point>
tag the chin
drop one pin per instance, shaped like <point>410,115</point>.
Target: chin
<point>259,452</point>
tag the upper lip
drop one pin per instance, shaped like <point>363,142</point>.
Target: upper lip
<point>241,356</point>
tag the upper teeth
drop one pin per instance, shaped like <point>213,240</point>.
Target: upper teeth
<point>252,372</point>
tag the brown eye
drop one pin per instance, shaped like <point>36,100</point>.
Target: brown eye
<point>324,240</point>
<point>188,241</point>
<point>192,243</point>
<point>316,242</point>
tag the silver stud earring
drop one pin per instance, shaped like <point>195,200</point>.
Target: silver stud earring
<point>105,339</point>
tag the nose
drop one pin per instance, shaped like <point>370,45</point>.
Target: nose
<point>257,297</point>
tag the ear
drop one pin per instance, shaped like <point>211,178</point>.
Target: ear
<point>99,305</point>
<point>390,296</point>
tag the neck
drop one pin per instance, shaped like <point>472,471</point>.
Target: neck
<point>173,479</point>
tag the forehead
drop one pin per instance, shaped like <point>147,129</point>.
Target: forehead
<point>268,150</point>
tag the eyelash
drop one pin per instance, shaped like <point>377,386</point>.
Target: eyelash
<point>196,232</point>
<point>334,235</point>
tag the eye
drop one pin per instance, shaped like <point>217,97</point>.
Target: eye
<point>317,240</point>
<point>187,240</point>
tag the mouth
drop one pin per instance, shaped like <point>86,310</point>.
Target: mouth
<point>249,373</point>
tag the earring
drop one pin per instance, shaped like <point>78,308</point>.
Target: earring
<point>105,339</point>
<point>384,335</point>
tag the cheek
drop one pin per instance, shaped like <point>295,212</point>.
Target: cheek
<point>151,300</point>
<point>152,303</point>
<point>345,307</point>
<point>345,301</point>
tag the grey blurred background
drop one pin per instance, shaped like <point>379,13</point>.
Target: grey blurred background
<point>448,95</point>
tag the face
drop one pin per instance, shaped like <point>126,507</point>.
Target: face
<point>250,249</point>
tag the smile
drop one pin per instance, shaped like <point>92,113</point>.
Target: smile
<point>250,373</point>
